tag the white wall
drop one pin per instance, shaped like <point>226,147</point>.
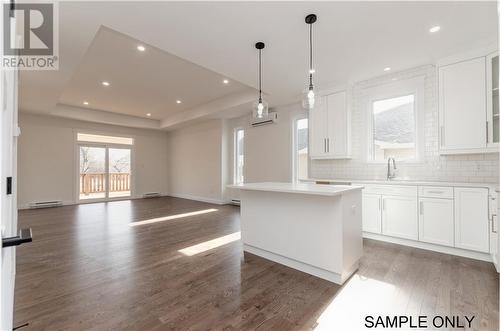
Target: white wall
<point>268,148</point>
<point>433,167</point>
<point>195,162</point>
<point>47,166</point>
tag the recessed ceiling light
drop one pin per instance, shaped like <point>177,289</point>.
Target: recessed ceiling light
<point>225,81</point>
<point>435,29</point>
<point>387,69</point>
<point>148,114</point>
<point>105,83</point>
<point>178,101</point>
<point>141,48</point>
<point>86,103</point>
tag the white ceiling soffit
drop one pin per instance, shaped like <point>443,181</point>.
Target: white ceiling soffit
<point>353,41</point>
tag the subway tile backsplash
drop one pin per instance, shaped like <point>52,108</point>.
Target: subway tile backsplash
<point>481,168</point>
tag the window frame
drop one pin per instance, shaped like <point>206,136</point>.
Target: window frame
<point>295,120</point>
<point>396,89</point>
<point>235,154</point>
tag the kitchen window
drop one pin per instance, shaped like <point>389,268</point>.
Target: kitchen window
<point>239,156</point>
<point>395,121</point>
<point>301,148</point>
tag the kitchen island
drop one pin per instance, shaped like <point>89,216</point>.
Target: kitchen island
<point>309,227</point>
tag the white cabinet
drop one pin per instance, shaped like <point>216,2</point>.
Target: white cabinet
<point>494,242</point>
<point>471,219</point>
<point>399,217</point>
<point>330,128</point>
<point>372,216</point>
<point>436,221</point>
<point>492,101</point>
<point>462,106</point>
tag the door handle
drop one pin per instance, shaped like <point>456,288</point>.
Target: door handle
<point>25,236</point>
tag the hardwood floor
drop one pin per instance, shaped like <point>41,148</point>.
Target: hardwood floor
<point>124,265</point>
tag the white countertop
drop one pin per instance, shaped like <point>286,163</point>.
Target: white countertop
<point>300,188</point>
<point>491,186</point>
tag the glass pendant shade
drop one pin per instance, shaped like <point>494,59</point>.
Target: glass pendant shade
<point>310,99</point>
<point>260,109</point>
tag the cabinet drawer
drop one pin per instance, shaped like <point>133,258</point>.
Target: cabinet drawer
<point>435,192</point>
<point>399,190</point>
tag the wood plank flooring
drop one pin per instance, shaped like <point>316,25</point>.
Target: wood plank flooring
<point>89,269</point>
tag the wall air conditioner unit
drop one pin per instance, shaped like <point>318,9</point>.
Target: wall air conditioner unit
<point>45,204</point>
<point>151,195</point>
<point>271,118</point>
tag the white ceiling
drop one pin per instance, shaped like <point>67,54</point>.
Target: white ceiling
<point>354,41</point>
<point>144,82</point>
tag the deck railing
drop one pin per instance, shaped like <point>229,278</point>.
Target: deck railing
<point>91,182</point>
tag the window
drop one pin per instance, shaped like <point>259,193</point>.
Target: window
<point>301,145</point>
<point>95,138</point>
<point>394,128</point>
<point>394,121</point>
<point>239,156</point>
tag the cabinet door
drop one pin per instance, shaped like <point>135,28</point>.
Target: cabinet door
<point>492,101</point>
<point>318,131</point>
<point>399,217</point>
<point>436,221</point>
<point>462,105</point>
<point>471,219</point>
<point>338,125</point>
<point>372,216</point>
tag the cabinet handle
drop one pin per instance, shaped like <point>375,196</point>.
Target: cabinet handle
<point>421,208</point>
<point>324,147</point>
<point>441,130</point>
<point>379,204</point>
<point>328,145</point>
<point>487,135</point>
<point>436,192</point>
<point>493,222</point>
<point>383,204</point>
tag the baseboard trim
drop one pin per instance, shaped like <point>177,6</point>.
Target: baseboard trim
<point>304,267</point>
<point>430,247</point>
<point>198,198</point>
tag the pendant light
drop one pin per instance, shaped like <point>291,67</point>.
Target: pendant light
<point>309,99</point>
<point>260,108</point>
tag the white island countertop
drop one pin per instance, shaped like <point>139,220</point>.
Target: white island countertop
<point>299,188</point>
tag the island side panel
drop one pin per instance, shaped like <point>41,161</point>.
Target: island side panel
<point>302,227</point>
<point>352,232</point>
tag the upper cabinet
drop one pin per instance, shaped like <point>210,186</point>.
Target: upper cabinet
<point>468,105</point>
<point>462,105</point>
<point>492,107</point>
<point>329,127</point>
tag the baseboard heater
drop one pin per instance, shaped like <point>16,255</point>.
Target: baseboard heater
<point>45,204</point>
<point>151,195</point>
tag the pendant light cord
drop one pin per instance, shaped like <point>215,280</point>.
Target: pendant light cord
<point>260,75</point>
<point>310,56</point>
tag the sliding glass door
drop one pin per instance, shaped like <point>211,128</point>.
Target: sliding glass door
<point>104,172</point>
<point>119,172</point>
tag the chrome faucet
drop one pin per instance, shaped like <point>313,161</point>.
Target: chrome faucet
<point>391,174</point>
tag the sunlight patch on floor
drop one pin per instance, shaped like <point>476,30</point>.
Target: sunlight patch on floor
<point>173,217</point>
<point>359,297</point>
<point>210,244</point>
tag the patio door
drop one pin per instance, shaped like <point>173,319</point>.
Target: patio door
<point>104,172</point>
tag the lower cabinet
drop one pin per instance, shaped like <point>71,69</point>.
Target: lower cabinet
<point>447,216</point>
<point>399,217</point>
<point>471,219</point>
<point>372,216</point>
<point>436,220</point>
